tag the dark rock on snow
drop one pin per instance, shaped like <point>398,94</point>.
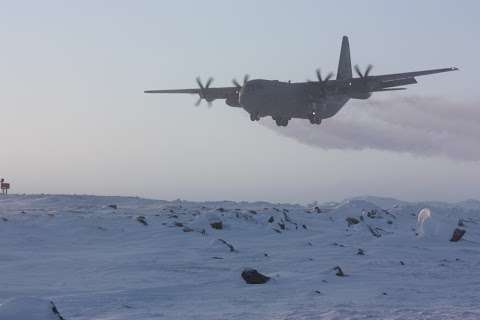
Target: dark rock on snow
<point>252,276</point>
<point>142,220</point>
<point>457,234</point>
<point>216,225</point>
<point>352,221</point>
<point>340,272</point>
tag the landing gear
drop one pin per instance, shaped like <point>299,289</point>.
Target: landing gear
<point>254,116</point>
<point>281,122</point>
<point>315,119</point>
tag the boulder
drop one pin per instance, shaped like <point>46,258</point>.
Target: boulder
<point>252,276</point>
<point>142,220</point>
<point>351,221</point>
<point>217,225</point>
<point>340,272</point>
<point>113,206</point>
<point>457,234</point>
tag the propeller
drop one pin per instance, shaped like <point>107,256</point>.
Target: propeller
<point>319,76</point>
<point>203,92</point>
<point>367,71</point>
<point>245,80</point>
<point>322,81</point>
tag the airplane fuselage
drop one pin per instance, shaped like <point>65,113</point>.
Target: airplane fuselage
<point>311,100</point>
<point>284,101</point>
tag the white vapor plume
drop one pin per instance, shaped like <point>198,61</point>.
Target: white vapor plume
<point>422,216</point>
<point>424,126</point>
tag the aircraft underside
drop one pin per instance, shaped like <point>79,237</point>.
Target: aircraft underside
<point>284,107</point>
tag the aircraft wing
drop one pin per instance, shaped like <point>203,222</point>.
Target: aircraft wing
<point>406,75</point>
<point>207,93</point>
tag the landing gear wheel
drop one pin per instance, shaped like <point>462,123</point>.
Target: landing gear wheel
<point>254,116</point>
<point>315,120</point>
<point>281,122</point>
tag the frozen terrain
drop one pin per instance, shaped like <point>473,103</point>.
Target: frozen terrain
<point>149,259</point>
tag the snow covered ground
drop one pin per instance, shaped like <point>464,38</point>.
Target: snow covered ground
<point>97,262</point>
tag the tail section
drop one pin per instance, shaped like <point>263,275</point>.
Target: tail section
<point>344,65</point>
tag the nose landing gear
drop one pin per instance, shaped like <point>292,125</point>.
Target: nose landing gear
<point>315,119</point>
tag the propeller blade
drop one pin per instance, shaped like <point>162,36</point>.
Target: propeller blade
<point>199,82</point>
<point>236,84</point>
<point>369,68</point>
<point>357,70</point>
<point>198,102</point>
<point>209,82</point>
<point>245,79</point>
<point>328,77</point>
<point>319,75</point>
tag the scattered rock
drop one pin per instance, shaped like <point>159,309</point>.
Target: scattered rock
<point>232,248</point>
<point>360,252</point>
<point>276,230</point>
<point>252,211</point>
<point>318,291</point>
<point>457,234</point>
<point>340,272</point>
<point>317,210</point>
<point>271,219</point>
<point>281,225</point>
<point>351,221</point>
<point>265,254</point>
<point>217,258</point>
<point>374,232</point>
<point>221,209</point>
<point>402,263</point>
<point>217,225</point>
<point>187,229</point>
<point>113,206</point>
<point>461,223</point>
<point>252,276</point>
<point>4,219</point>
<point>372,214</point>
<point>142,220</point>
<point>178,224</point>
<point>304,226</point>
<point>390,222</point>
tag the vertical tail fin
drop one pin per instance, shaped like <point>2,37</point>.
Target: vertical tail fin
<point>344,64</point>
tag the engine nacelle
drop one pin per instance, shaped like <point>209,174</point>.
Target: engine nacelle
<point>233,101</point>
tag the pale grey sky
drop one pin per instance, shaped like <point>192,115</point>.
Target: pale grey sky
<point>74,118</point>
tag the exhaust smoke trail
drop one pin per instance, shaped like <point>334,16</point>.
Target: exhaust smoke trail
<point>423,126</point>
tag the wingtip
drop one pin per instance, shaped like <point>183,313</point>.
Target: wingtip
<point>454,68</point>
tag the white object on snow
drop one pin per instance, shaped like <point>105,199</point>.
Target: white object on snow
<point>422,216</point>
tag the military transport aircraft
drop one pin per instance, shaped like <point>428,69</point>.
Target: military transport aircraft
<point>312,100</point>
